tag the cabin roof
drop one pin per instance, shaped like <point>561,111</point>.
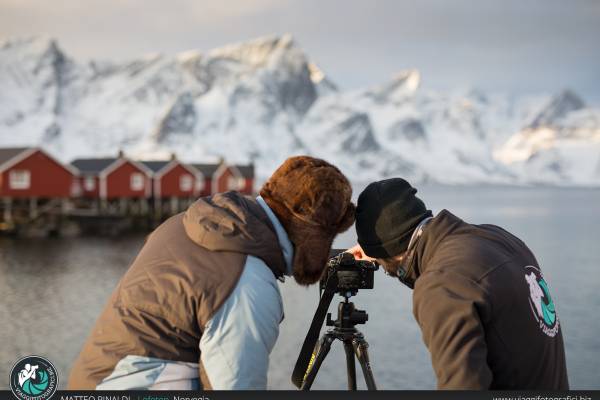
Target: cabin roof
<point>247,171</point>
<point>156,166</point>
<point>8,153</point>
<point>208,170</point>
<point>93,165</point>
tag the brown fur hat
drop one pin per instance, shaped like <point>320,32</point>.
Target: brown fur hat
<point>311,199</point>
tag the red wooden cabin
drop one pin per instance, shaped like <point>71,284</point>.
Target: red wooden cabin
<point>207,171</point>
<point>174,179</point>
<point>247,173</point>
<point>32,173</point>
<point>112,178</point>
<point>233,177</point>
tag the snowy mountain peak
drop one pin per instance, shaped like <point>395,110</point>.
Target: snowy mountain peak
<point>408,80</point>
<point>316,74</point>
<point>324,85</point>
<point>188,56</point>
<point>404,84</point>
<point>33,52</point>
<point>557,108</point>
<point>30,44</point>
<point>259,52</point>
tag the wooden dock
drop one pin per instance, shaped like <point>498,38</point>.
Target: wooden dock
<point>71,217</point>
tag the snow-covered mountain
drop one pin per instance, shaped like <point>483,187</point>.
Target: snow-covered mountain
<point>560,145</point>
<point>264,100</point>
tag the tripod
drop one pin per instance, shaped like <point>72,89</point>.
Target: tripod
<point>344,329</point>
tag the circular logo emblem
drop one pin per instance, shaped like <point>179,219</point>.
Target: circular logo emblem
<point>33,378</point>
<point>541,302</point>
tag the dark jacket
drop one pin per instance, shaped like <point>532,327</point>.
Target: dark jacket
<point>484,309</point>
<point>156,317</point>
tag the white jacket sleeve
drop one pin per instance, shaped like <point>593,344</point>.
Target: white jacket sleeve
<point>238,339</point>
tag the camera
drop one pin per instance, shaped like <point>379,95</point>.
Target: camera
<point>351,274</point>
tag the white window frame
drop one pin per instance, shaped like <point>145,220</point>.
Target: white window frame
<point>186,183</point>
<point>136,181</point>
<point>89,183</point>
<point>19,179</point>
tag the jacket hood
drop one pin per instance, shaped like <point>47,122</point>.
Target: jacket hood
<point>232,222</point>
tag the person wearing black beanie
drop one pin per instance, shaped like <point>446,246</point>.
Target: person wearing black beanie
<point>479,296</point>
<point>387,216</point>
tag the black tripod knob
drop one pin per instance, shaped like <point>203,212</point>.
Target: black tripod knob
<point>359,317</point>
<point>329,321</point>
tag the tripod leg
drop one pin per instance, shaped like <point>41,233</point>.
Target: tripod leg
<point>350,364</point>
<point>360,348</point>
<point>317,360</point>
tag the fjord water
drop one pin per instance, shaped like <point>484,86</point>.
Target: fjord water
<point>52,290</point>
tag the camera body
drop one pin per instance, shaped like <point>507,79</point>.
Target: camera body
<point>351,274</point>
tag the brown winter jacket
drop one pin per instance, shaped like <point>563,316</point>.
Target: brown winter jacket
<point>185,271</point>
<point>484,309</point>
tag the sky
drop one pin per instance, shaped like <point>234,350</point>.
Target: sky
<point>511,46</point>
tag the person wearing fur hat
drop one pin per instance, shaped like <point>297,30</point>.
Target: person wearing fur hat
<point>200,306</point>
<point>479,296</point>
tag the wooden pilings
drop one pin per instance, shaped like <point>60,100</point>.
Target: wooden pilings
<point>7,212</point>
<point>6,221</point>
<point>56,216</point>
<point>33,212</point>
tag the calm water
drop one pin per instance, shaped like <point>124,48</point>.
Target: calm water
<point>51,290</point>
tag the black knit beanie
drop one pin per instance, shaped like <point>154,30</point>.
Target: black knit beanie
<point>387,214</point>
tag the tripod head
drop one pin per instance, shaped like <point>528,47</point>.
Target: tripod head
<point>348,316</point>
